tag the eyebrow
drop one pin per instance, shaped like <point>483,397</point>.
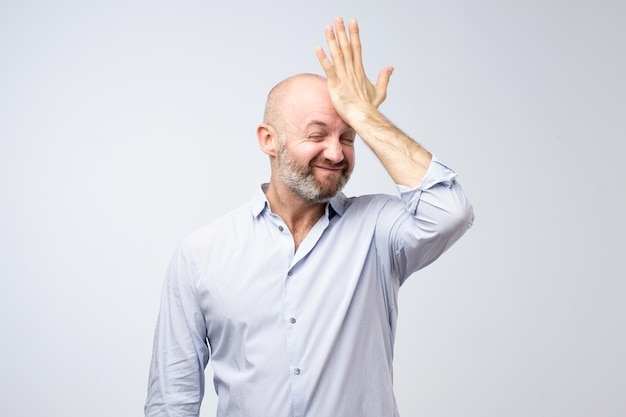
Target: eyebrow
<point>316,123</point>
<point>320,123</point>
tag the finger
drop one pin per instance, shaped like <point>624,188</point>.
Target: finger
<point>326,64</point>
<point>344,41</point>
<point>336,55</point>
<point>355,42</point>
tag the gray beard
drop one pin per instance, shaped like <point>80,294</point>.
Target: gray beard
<point>302,181</point>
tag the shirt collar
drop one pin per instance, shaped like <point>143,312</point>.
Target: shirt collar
<point>259,203</point>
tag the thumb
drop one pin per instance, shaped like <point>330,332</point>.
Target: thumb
<point>381,84</point>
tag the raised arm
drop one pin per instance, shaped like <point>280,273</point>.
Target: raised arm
<point>356,100</point>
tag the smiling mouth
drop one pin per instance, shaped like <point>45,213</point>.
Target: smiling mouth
<point>334,171</point>
<point>339,167</point>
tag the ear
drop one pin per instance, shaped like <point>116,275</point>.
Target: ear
<point>268,139</point>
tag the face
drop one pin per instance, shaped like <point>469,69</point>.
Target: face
<point>315,156</point>
<point>317,181</point>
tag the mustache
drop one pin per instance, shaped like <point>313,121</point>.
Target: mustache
<point>327,164</point>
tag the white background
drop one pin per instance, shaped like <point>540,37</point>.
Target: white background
<point>124,125</point>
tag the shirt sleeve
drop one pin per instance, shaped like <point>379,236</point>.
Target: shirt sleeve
<point>436,215</point>
<point>180,350</point>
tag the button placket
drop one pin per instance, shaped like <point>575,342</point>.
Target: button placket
<point>293,332</point>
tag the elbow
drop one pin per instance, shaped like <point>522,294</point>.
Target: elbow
<point>459,218</point>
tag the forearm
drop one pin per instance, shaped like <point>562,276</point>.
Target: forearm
<point>405,160</point>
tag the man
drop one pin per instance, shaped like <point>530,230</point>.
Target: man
<point>294,295</point>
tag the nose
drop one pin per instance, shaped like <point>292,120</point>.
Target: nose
<point>333,152</point>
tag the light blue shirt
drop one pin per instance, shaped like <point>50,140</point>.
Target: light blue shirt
<point>309,333</point>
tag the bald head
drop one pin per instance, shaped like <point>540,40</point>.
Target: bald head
<point>279,97</point>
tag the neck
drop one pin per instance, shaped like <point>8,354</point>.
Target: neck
<point>298,214</point>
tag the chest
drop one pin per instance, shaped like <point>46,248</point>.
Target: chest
<point>253,292</point>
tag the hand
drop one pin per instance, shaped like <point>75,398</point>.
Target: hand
<point>350,89</point>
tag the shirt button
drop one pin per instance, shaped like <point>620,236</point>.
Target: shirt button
<point>296,371</point>
<point>289,273</point>
<point>280,228</point>
<point>292,320</point>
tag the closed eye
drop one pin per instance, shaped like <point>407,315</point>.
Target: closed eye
<point>348,139</point>
<point>317,136</point>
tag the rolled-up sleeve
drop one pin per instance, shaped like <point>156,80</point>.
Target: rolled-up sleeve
<point>437,214</point>
<point>180,351</point>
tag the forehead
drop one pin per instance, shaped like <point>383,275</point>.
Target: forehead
<point>309,105</point>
